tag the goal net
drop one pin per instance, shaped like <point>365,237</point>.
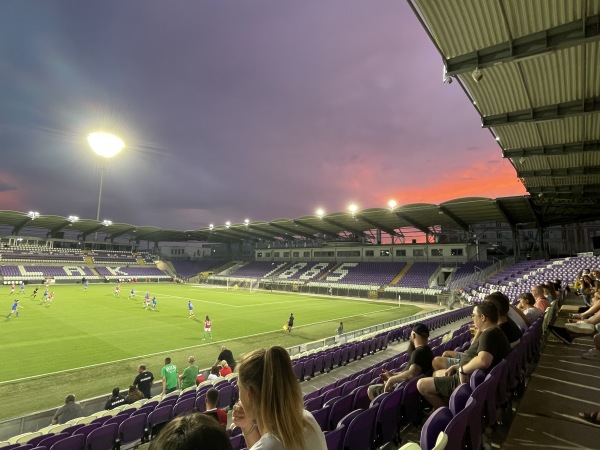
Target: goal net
<point>244,284</point>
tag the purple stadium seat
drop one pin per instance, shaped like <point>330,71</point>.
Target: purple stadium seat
<point>132,431</point>
<point>335,438</point>
<point>102,438</point>
<point>435,424</point>
<point>75,442</point>
<point>184,406</point>
<point>458,427</point>
<point>339,409</point>
<point>360,433</point>
<point>388,416</point>
<point>459,398</point>
<point>51,440</point>
<point>158,417</point>
<point>225,396</point>
<point>87,429</point>
<point>321,416</point>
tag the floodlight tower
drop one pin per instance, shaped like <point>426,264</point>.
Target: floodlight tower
<point>107,146</point>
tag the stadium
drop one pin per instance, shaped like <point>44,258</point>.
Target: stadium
<point>529,72</point>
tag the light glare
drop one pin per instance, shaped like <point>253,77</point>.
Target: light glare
<point>105,144</point>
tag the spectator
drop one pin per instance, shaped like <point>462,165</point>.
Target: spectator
<point>511,330</point>
<point>144,381</point>
<point>170,380</point>
<point>133,395</point>
<point>212,400</point>
<point>214,373</point>
<point>225,369</point>
<point>227,356</point>
<point>485,352</point>
<point>70,410</point>
<point>271,411</point>
<point>541,302</point>
<point>115,400</point>
<point>191,432</point>
<point>419,363</point>
<point>199,378</point>
<point>527,306</point>
<point>188,377</point>
<point>549,291</point>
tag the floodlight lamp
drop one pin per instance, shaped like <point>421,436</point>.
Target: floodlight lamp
<point>477,75</point>
<point>211,226</point>
<point>105,144</point>
<point>352,208</point>
<point>521,160</point>
<point>227,224</point>
<point>392,204</point>
<point>320,213</point>
<point>498,138</point>
<point>19,239</point>
<point>33,214</point>
<point>107,223</point>
<point>72,219</point>
<point>247,222</point>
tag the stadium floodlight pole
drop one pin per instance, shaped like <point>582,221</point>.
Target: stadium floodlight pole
<point>107,146</point>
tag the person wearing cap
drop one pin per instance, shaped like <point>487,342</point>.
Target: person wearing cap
<point>419,363</point>
<point>115,400</point>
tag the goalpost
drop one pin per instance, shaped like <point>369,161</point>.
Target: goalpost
<point>246,284</point>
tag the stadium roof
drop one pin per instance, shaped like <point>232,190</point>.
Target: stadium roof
<point>461,214</point>
<point>531,70</point>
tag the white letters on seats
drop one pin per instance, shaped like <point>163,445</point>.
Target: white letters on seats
<point>314,271</point>
<point>340,272</point>
<point>292,270</point>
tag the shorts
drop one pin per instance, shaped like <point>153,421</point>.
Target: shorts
<point>376,390</point>
<point>207,330</point>
<point>446,385</point>
<point>453,361</point>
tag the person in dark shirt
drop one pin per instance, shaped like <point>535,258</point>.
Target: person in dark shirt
<point>212,400</point>
<point>511,330</point>
<point>290,323</point>
<point>227,356</point>
<point>419,363</point>
<point>484,353</point>
<point>144,381</point>
<point>115,400</point>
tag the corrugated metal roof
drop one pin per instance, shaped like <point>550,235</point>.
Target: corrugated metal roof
<point>531,69</point>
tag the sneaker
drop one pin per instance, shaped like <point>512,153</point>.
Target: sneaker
<point>561,333</point>
<point>592,354</point>
<point>581,327</point>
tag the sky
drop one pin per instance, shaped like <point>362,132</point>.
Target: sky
<point>232,110</point>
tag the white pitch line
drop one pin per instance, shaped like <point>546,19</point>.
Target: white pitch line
<point>91,366</point>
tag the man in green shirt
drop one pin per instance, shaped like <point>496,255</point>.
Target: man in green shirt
<point>188,377</point>
<point>170,381</point>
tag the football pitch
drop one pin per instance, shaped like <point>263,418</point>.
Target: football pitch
<point>86,343</point>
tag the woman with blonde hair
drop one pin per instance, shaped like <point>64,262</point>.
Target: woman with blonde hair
<point>271,412</point>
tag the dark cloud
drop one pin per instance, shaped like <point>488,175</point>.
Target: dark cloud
<point>5,187</point>
<point>229,109</point>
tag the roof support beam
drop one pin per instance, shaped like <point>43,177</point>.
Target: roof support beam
<point>317,229</point>
<point>575,189</point>
<point>560,172</point>
<point>291,231</point>
<point>553,150</point>
<point>536,213</point>
<point>455,218</point>
<point>526,47</point>
<point>377,225</point>
<point>414,223</point>
<point>507,217</point>
<point>542,113</point>
<point>343,227</point>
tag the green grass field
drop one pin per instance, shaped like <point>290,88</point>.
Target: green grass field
<point>86,343</point>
